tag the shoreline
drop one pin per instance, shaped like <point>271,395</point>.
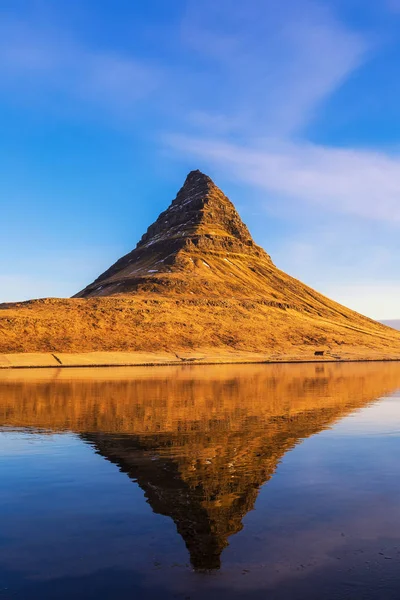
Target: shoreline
<point>141,359</point>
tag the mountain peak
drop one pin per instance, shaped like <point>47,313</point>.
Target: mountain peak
<point>197,174</point>
<point>201,223</point>
<point>200,208</point>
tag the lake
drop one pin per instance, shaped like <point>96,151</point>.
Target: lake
<point>240,481</point>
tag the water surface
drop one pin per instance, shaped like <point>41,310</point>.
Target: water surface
<point>278,481</point>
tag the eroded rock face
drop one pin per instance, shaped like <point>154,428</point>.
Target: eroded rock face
<point>200,209</point>
<point>200,222</point>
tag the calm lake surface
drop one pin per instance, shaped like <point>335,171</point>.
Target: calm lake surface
<point>254,481</point>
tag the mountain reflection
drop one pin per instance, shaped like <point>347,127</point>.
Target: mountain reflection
<point>199,441</point>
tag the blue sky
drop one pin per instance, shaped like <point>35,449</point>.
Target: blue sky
<point>292,107</point>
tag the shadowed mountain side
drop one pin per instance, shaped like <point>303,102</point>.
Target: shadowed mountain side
<point>196,281</point>
<point>199,442</point>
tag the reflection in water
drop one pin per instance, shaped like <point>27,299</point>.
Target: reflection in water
<point>200,441</point>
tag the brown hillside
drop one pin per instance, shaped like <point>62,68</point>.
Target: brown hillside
<point>196,280</point>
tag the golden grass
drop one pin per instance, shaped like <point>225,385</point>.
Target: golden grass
<point>242,303</point>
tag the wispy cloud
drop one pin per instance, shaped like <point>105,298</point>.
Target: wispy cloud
<point>362,183</point>
<point>253,70</point>
<point>276,68</point>
<point>236,86</point>
<point>275,64</point>
<point>38,61</point>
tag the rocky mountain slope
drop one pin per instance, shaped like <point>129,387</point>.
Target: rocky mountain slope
<point>196,280</point>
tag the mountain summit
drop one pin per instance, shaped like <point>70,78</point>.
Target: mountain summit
<point>199,209</point>
<point>200,223</point>
<point>196,282</point>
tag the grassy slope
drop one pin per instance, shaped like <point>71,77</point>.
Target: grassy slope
<point>243,303</point>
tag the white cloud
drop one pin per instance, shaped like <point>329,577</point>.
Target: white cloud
<point>356,182</point>
<point>275,68</point>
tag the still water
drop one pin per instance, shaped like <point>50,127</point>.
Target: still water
<point>267,481</point>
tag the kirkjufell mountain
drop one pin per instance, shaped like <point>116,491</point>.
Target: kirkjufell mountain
<point>199,244</point>
<point>196,282</point>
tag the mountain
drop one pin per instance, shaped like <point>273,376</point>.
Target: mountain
<point>197,282</point>
<point>200,224</point>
